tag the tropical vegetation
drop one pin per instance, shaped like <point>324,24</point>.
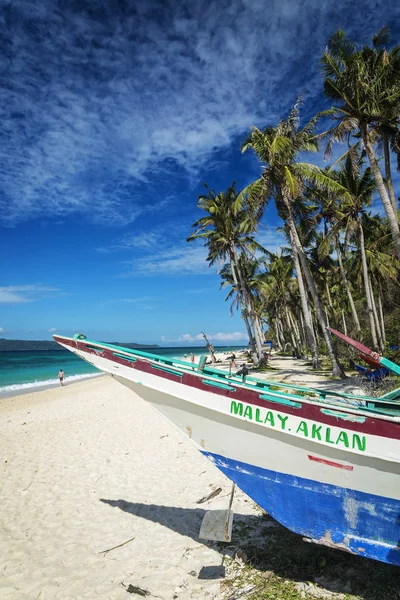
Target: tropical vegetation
<point>340,267</point>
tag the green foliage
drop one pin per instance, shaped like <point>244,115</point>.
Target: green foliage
<point>342,245</point>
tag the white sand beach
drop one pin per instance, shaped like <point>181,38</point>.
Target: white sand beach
<point>87,467</point>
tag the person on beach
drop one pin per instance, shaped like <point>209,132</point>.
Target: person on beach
<point>61,376</point>
<point>243,372</point>
<point>192,357</point>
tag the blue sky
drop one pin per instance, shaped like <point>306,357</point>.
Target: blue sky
<point>113,113</point>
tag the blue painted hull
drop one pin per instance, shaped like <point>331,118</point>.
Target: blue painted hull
<point>361,523</point>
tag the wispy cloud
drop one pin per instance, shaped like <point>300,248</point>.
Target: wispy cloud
<point>2,330</point>
<point>146,240</point>
<point>14,294</point>
<point>272,240</point>
<point>179,260</point>
<point>52,329</point>
<point>104,100</point>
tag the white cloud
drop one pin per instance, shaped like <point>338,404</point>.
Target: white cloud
<point>98,110</point>
<point>2,330</point>
<point>17,294</point>
<point>236,336</point>
<point>183,259</point>
<point>52,329</point>
<point>271,240</point>
<point>146,240</point>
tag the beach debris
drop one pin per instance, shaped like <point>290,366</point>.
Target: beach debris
<point>212,572</point>
<point>163,436</point>
<point>135,589</point>
<point>210,496</point>
<point>241,556</point>
<point>115,547</point>
<point>242,592</point>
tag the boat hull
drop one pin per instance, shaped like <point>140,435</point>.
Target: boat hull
<point>336,508</point>
<point>339,487</point>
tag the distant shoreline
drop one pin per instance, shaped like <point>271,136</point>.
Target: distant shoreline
<point>40,386</point>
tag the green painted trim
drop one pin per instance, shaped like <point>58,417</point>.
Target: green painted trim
<point>384,411</point>
<point>391,398</point>
<point>344,416</point>
<point>218,385</point>
<point>284,401</point>
<point>130,358</point>
<point>167,370</point>
<point>390,365</point>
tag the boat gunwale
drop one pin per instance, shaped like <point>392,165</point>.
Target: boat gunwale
<point>320,401</point>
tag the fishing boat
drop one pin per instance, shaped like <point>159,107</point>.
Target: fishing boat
<point>325,464</point>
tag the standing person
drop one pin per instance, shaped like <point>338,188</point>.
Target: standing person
<point>61,376</point>
<point>192,357</point>
<point>243,372</point>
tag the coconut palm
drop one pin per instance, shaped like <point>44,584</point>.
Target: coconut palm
<point>327,212</point>
<point>284,178</point>
<point>364,84</point>
<point>348,214</point>
<point>280,294</point>
<point>383,267</point>
<point>227,233</point>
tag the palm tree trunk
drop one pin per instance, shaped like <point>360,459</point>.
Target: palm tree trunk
<point>380,185</point>
<point>337,369</point>
<point>377,324</point>
<point>381,318</point>
<point>328,293</point>
<point>303,331</point>
<point>309,329</point>
<point>244,310</point>
<point>290,330</point>
<point>296,333</point>
<point>344,322</point>
<point>249,304</point>
<point>388,172</point>
<point>347,286</point>
<point>327,316</point>
<point>260,329</point>
<point>280,330</point>
<point>248,329</point>
<point>366,286</point>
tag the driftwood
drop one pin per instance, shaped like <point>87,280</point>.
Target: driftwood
<point>212,495</point>
<point>210,347</point>
<point>134,589</point>
<point>115,547</point>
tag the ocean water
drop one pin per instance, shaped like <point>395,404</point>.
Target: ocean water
<point>25,371</point>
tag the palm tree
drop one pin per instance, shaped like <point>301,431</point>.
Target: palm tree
<point>284,178</point>
<point>364,84</point>
<point>227,233</point>
<point>279,292</point>
<point>347,216</point>
<point>383,267</point>
<point>251,280</point>
<point>328,212</point>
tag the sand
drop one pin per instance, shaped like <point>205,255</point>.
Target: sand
<point>87,467</point>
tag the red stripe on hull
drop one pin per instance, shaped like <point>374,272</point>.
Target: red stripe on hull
<point>372,424</point>
<point>330,463</point>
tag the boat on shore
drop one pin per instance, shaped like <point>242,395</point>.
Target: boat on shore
<point>325,464</point>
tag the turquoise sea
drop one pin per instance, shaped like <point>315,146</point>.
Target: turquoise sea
<point>25,371</point>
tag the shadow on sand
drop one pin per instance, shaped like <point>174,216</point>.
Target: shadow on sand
<point>270,546</point>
